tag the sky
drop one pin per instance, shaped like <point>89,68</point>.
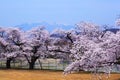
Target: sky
<point>15,12</point>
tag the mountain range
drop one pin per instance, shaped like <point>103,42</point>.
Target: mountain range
<point>49,27</point>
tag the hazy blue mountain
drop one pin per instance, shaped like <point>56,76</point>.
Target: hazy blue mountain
<point>114,30</point>
<point>49,27</point>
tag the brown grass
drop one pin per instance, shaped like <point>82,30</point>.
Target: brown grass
<point>46,75</point>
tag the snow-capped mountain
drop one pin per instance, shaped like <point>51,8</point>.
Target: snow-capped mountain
<point>49,27</point>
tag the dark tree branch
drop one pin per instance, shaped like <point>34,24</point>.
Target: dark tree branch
<point>69,37</point>
<point>27,58</point>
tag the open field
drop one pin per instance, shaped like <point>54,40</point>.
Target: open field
<point>46,75</point>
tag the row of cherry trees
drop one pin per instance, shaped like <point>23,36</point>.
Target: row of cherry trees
<point>33,44</point>
<point>87,46</point>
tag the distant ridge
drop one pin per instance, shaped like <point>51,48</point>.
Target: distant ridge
<point>49,27</point>
<point>114,30</point>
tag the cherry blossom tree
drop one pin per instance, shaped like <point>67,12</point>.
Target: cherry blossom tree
<point>89,51</point>
<point>61,43</point>
<point>36,45</point>
<point>111,43</point>
<point>88,29</point>
<point>14,39</point>
<point>3,43</point>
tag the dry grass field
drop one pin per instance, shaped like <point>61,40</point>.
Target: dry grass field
<point>46,75</point>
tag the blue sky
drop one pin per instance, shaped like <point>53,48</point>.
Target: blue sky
<point>15,12</point>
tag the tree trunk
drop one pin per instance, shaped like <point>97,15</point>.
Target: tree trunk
<point>8,66</point>
<point>32,63</point>
<point>40,64</point>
